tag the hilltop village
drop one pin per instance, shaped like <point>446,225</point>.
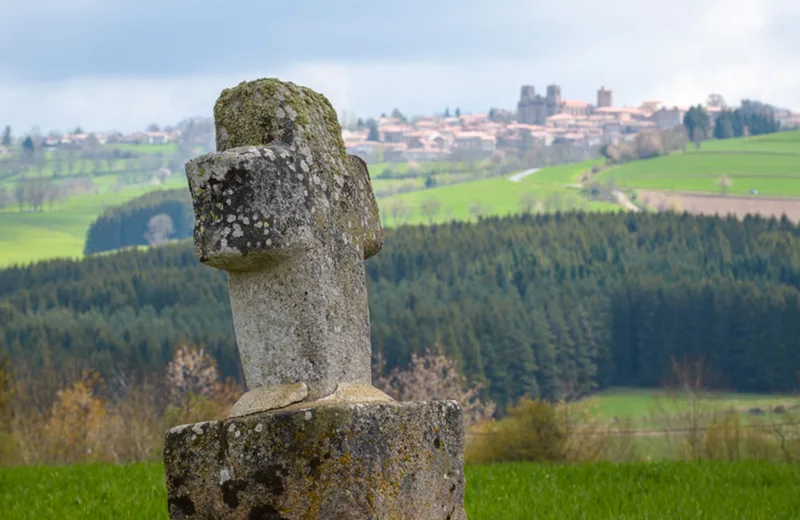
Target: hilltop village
<point>539,120</point>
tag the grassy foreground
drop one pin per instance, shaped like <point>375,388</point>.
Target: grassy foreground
<point>741,490</point>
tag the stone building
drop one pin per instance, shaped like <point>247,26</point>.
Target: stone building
<point>669,117</point>
<point>575,108</point>
<point>534,109</point>
<point>604,98</point>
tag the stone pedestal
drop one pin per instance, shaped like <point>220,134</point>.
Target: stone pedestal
<point>337,461</point>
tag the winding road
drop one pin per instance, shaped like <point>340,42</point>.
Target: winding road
<point>521,175</point>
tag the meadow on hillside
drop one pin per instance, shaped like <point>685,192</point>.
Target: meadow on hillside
<point>767,164</point>
<point>515,491</point>
<point>60,231</point>
<point>549,189</point>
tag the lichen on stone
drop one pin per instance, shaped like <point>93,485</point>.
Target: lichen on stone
<point>249,115</point>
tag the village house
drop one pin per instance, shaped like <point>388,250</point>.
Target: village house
<point>669,117</point>
<point>393,133</point>
<point>542,120</point>
<point>575,108</point>
<point>787,120</point>
<point>395,152</point>
<point>560,121</point>
<point>651,106</point>
<point>155,138</point>
<point>475,142</point>
<point>363,149</point>
<point>427,153</point>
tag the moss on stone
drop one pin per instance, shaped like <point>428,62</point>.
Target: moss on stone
<point>247,115</point>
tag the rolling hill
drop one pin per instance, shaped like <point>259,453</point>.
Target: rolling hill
<point>764,165</point>
<point>61,231</point>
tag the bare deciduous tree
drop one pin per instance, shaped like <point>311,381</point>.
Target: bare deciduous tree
<point>54,194</point>
<point>191,372</point>
<point>527,202</point>
<point>724,183</point>
<point>162,174</point>
<point>430,207</point>
<point>476,209</point>
<point>398,211</point>
<point>159,228</point>
<point>433,377</point>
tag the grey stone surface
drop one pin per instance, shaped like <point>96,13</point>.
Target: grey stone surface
<point>347,461</point>
<point>291,216</point>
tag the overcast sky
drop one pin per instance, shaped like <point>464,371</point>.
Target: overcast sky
<point>121,65</point>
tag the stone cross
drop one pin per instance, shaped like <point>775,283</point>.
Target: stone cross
<point>291,217</point>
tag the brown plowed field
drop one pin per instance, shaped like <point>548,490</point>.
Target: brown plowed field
<point>722,205</point>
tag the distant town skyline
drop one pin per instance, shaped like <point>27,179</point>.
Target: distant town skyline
<point>122,66</point>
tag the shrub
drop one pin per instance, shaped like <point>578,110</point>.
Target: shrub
<point>129,224</point>
<point>539,431</point>
<point>434,377</point>
<point>83,420</point>
<point>74,430</point>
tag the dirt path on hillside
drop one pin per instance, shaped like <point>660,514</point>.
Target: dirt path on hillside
<point>624,201</point>
<point>521,175</point>
<point>707,204</point>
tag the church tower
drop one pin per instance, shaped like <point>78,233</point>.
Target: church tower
<point>604,98</point>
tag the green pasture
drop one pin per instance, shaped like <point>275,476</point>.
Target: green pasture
<point>495,196</point>
<point>61,231</point>
<point>516,491</point>
<point>768,164</point>
<point>147,149</point>
<point>640,405</point>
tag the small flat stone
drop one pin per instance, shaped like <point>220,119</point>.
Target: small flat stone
<point>266,398</point>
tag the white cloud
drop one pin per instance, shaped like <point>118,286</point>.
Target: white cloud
<point>643,49</point>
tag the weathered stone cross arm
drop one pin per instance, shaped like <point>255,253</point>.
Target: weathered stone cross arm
<point>291,217</point>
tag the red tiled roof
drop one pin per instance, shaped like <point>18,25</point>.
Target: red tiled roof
<point>572,103</point>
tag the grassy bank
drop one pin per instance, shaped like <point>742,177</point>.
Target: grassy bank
<point>514,491</point>
<point>768,164</point>
<point>61,231</point>
<point>548,189</point>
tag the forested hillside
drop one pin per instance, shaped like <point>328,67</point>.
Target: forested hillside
<point>130,223</point>
<point>532,304</point>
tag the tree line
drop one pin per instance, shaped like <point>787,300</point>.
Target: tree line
<point>39,176</point>
<point>137,221</point>
<point>751,118</point>
<point>540,305</point>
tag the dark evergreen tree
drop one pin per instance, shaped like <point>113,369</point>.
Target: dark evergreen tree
<point>548,305</point>
<point>373,134</point>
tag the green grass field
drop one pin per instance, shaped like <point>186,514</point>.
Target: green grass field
<point>496,196</point>
<point>61,232</point>
<point>654,491</point>
<point>768,164</point>
<point>637,404</point>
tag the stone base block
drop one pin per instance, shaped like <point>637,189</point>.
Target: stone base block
<point>342,461</point>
